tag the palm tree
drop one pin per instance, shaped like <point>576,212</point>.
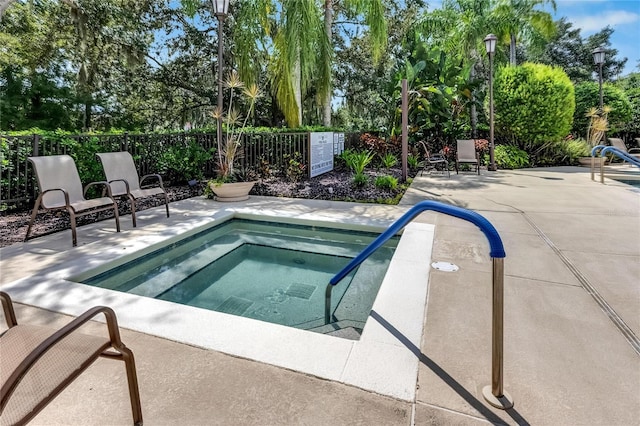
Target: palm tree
<point>299,44</point>
<point>459,27</point>
<point>373,12</point>
<point>521,19</point>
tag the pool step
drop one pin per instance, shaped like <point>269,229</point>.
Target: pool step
<point>347,329</point>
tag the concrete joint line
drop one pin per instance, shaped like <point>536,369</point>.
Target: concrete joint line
<point>606,308</point>
<point>459,413</point>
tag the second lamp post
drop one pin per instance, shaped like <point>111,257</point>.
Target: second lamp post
<point>220,9</point>
<point>490,44</point>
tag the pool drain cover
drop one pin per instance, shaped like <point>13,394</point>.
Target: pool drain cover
<point>235,306</point>
<point>445,266</point>
<point>301,291</point>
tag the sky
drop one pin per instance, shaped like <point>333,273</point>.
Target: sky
<point>593,15</point>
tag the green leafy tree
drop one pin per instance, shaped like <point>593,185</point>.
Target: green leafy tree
<point>519,19</point>
<point>438,92</point>
<point>365,86</point>
<point>459,28</point>
<point>534,105</point>
<point>36,89</point>
<point>587,96</point>
<point>570,51</point>
<point>631,86</point>
<point>374,17</point>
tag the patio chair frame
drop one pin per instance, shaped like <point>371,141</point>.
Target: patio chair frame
<point>466,159</point>
<point>76,204</point>
<point>111,347</point>
<point>432,162</point>
<point>122,177</point>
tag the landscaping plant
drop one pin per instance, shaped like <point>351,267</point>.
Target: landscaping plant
<point>534,105</point>
<point>509,157</point>
<point>228,151</point>
<point>388,160</point>
<point>386,182</point>
<point>357,161</point>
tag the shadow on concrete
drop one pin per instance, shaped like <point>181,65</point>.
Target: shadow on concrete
<point>440,372</point>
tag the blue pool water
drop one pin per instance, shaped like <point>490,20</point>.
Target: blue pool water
<point>632,182</point>
<point>267,271</point>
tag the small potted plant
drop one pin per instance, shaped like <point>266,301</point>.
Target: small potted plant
<point>228,184</point>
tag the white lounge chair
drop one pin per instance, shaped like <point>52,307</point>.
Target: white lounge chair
<point>466,153</point>
<point>61,188</point>
<point>123,179</point>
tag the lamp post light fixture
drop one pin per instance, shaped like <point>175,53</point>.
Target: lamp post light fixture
<point>220,10</point>
<point>598,59</point>
<point>490,45</point>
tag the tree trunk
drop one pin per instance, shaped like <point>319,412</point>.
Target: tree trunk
<point>297,89</point>
<point>87,115</point>
<point>328,21</point>
<point>473,113</point>
<point>512,50</point>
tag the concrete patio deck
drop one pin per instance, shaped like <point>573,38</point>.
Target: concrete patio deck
<point>572,318</point>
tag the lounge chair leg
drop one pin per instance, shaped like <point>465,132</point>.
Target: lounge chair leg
<point>132,381</point>
<point>133,210</point>
<point>72,217</point>
<point>117,215</point>
<point>34,213</point>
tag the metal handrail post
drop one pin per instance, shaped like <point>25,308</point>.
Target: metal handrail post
<point>495,394</point>
<point>595,151</point>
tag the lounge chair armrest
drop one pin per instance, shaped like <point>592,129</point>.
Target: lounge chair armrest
<point>155,175</point>
<point>7,307</point>
<point>102,182</point>
<point>634,151</point>
<point>64,192</point>
<point>126,183</point>
<point>55,338</point>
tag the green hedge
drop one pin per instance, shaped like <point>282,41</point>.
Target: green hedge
<point>534,104</point>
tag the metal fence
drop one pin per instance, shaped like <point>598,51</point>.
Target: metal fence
<point>17,181</point>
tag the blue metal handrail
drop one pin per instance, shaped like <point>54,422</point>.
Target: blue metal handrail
<point>620,154</point>
<point>495,393</point>
<point>602,150</point>
<point>497,250</point>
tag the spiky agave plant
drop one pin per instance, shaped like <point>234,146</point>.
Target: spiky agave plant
<point>229,150</point>
<point>598,124</point>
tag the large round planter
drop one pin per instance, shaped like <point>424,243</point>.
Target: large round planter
<point>233,191</point>
<point>586,161</point>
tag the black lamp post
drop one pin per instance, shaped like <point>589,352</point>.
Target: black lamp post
<point>598,59</point>
<point>220,9</point>
<point>490,45</point>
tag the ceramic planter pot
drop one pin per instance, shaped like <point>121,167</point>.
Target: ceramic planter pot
<point>586,161</point>
<point>233,191</point>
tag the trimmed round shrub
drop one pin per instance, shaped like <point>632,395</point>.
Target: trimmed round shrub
<point>588,96</point>
<point>534,104</point>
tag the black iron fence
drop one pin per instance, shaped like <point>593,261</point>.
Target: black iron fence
<point>18,185</point>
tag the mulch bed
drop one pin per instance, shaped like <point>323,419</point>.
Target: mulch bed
<point>335,185</point>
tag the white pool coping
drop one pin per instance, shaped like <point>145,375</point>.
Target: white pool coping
<point>385,359</point>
